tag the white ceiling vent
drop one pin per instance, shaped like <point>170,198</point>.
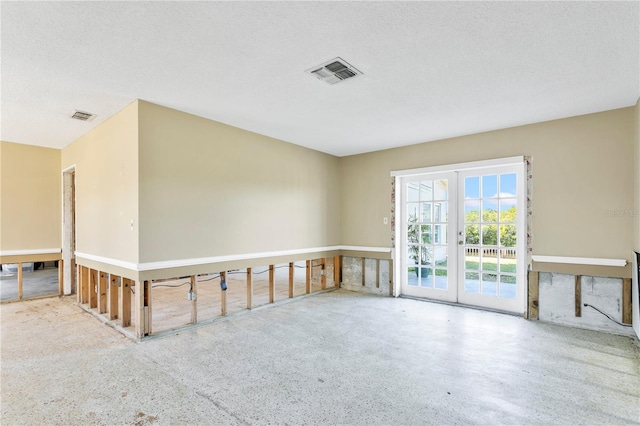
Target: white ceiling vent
<point>334,71</point>
<point>82,116</point>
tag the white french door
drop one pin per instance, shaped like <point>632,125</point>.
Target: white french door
<point>462,235</point>
<point>429,236</point>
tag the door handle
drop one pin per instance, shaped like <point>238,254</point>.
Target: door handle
<point>460,242</point>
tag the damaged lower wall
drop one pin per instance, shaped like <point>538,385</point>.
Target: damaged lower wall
<point>374,278</point>
<point>558,295</point>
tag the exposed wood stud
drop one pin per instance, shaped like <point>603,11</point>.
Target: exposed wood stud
<point>194,301</point>
<point>336,271</point>
<point>84,284</point>
<point>377,273</point>
<point>323,273</point>
<point>533,295</point>
<point>272,283</point>
<point>78,284</point>
<point>60,277</point>
<point>147,308</point>
<point>626,301</point>
<point>20,280</point>
<point>74,277</point>
<point>102,293</point>
<point>578,291</point>
<point>112,304</point>
<point>138,304</point>
<point>363,275</point>
<point>124,306</point>
<point>143,308</point>
<point>291,276</point>
<point>93,290</point>
<point>223,295</point>
<point>308,279</point>
<point>249,289</point>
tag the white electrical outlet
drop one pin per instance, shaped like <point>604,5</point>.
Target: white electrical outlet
<point>385,221</point>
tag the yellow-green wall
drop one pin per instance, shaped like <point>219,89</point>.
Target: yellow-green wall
<point>106,161</point>
<point>582,174</point>
<point>209,189</point>
<point>30,185</point>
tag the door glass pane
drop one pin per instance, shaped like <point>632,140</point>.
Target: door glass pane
<point>508,209</point>
<point>490,235</point>
<point>489,284</point>
<point>426,190</point>
<point>508,286</point>
<point>426,212</point>
<point>413,210</point>
<point>413,192</point>
<point>508,238</point>
<point>489,186</point>
<point>472,187</point>
<point>426,277</point>
<point>508,185</point>
<point>412,276</point>
<point>441,278</point>
<point>488,261</point>
<point>472,234</point>
<point>472,259</point>
<point>426,236</point>
<point>471,282</point>
<point>489,211</point>
<point>441,189</point>
<point>426,255</point>
<point>440,234</point>
<point>440,256</point>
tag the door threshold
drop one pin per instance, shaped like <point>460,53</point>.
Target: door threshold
<point>460,305</point>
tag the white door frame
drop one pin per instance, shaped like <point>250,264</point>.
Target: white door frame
<point>521,221</point>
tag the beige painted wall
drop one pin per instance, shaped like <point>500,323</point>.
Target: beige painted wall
<point>30,188</point>
<point>208,189</point>
<point>582,169</point>
<point>636,191</point>
<point>106,161</point>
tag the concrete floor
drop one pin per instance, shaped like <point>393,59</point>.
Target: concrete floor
<point>338,357</point>
<point>43,282</point>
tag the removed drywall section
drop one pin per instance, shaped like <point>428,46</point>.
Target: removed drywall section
<point>557,301</point>
<point>209,189</point>
<point>106,161</point>
<point>30,212</point>
<point>366,275</point>
<point>576,211</point>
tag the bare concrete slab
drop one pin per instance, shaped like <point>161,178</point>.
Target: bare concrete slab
<point>334,358</point>
<point>43,282</point>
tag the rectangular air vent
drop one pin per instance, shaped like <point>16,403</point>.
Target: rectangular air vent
<point>334,71</point>
<point>82,116</point>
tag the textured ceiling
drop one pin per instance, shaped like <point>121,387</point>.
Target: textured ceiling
<point>431,69</point>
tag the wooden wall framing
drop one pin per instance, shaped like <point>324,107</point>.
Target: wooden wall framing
<point>20,260</point>
<point>128,302</point>
<point>534,290</point>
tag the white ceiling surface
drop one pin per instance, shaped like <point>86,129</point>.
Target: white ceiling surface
<point>432,70</point>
